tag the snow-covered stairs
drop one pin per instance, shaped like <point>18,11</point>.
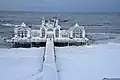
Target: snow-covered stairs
<point>49,66</point>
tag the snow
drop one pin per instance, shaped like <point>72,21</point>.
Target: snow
<point>49,66</point>
<point>20,63</point>
<point>93,62</point>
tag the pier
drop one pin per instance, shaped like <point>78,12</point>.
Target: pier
<point>25,36</point>
<point>49,65</point>
<point>48,34</point>
<point>48,70</point>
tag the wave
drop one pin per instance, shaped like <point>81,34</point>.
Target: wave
<point>6,21</point>
<point>3,38</point>
<point>7,24</point>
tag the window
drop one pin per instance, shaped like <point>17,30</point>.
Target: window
<point>43,32</point>
<point>77,33</point>
<point>57,33</point>
<point>49,36</point>
<point>35,34</point>
<point>18,33</point>
<point>50,30</point>
<point>22,33</point>
<point>25,32</point>
<point>65,35</point>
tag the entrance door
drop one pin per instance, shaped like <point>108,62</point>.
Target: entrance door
<point>50,36</point>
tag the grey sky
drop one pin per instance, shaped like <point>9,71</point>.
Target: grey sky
<point>61,5</point>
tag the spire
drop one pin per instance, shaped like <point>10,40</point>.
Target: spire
<point>43,18</point>
<point>76,25</point>
<point>43,21</point>
<point>56,23</point>
<point>23,24</point>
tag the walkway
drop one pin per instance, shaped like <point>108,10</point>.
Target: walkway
<point>49,66</point>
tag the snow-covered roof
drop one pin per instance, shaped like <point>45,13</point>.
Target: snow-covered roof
<point>77,26</point>
<point>64,32</point>
<point>22,26</point>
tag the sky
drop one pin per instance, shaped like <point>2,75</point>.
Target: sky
<point>61,5</point>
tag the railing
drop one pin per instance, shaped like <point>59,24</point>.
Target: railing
<point>54,53</point>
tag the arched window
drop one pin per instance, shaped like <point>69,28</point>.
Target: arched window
<point>50,30</point>
<point>57,33</point>
<point>43,32</point>
<point>77,33</point>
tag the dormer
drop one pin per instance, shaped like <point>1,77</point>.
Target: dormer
<point>22,31</point>
<point>77,31</point>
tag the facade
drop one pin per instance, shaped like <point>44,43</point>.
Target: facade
<point>48,29</point>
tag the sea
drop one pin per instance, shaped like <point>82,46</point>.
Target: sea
<point>101,27</point>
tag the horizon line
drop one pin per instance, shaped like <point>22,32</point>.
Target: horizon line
<point>62,11</point>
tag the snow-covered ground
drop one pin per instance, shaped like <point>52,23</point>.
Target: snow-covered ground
<point>89,62</point>
<point>20,64</point>
<point>93,62</point>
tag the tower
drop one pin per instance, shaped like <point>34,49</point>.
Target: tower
<point>43,21</point>
<point>56,23</point>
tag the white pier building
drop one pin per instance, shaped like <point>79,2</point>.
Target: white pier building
<point>48,29</point>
